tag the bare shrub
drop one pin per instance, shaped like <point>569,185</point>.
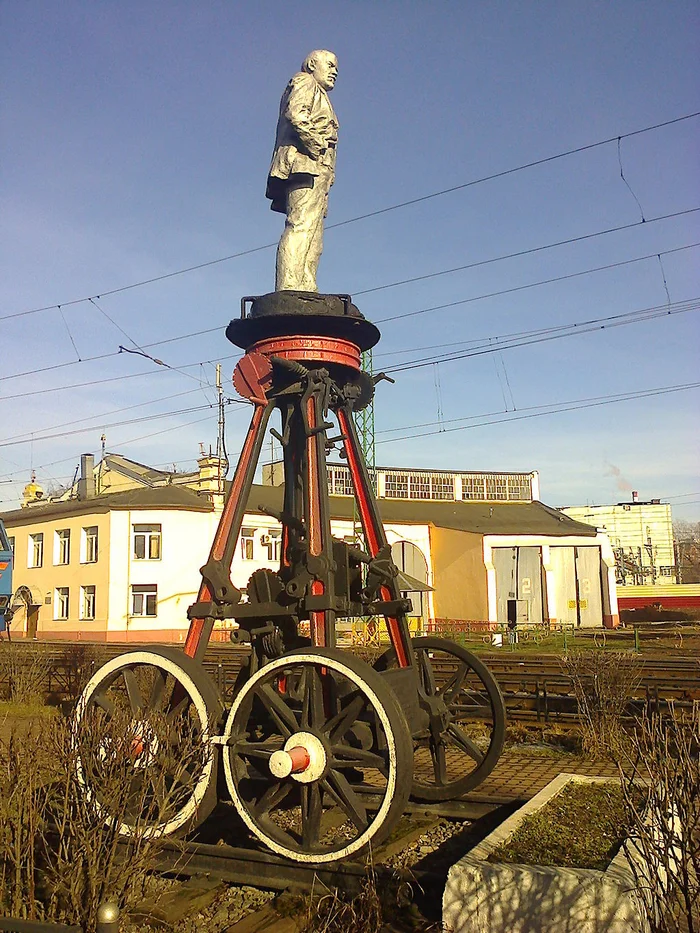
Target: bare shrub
<point>664,845</point>
<point>77,786</point>
<point>334,912</point>
<point>79,662</point>
<point>22,819</point>
<point>604,682</point>
<point>26,671</point>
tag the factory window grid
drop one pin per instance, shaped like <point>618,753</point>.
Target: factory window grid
<point>87,602</point>
<point>519,489</point>
<point>61,602</point>
<point>247,543</point>
<point>442,486</point>
<point>61,553</point>
<point>396,486</point>
<point>35,557</point>
<point>497,488</point>
<point>667,571</point>
<point>419,486</point>
<point>473,486</point>
<point>147,542</point>
<point>144,600</point>
<point>88,545</point>
<point>340,481</point>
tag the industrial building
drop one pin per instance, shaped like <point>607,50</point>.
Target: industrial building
<point>116,557</point>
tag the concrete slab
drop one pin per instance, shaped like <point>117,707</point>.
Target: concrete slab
<point>489,897</point>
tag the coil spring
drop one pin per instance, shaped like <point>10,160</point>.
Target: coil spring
<point>273,643</point>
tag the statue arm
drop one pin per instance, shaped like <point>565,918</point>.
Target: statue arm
<point>298,111</point>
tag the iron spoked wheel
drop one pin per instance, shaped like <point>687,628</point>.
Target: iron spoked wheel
<point>143,727</point>
<point>465,737</point>
<point>308,738</point>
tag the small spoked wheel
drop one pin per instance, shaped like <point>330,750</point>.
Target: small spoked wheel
<point>464,737</point>
<point>318,756</point>
<point>142,732</point>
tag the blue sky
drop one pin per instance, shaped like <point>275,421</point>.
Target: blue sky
<point>137,138</point>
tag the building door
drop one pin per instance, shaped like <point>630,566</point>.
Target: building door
<point>590,596</point>
<point>563,564</point>
<point>518,583</point>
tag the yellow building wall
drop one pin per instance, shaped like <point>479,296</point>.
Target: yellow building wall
<point>45,579</point>
<point>459,575</point>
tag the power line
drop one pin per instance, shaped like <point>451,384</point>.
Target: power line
<point>544,335</point>
<point>115,424</point>
<point>482,262</point>
<point>384,210</point>
<point>520,288</point>
<point>522,415</point>
<point>525,252</point>
<point>106,414</point>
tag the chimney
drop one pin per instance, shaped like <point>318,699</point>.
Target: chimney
<point>210,474</point>
<point>86,483</point>
<point>635,496</point>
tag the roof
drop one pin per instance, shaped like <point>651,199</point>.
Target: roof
<point>158,497</point>
<point>479,517</point>
<point>487,518</point>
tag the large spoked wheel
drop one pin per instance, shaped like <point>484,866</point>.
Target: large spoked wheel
<point>318,756</point>
<point>142,730</point>
<point>467,719</point>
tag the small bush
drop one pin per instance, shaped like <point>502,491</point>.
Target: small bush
<point>604,682</point>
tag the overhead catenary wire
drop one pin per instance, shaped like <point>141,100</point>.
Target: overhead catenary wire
<point>558,332</point>
<point>495,259</point>
<point>524,252</point>
<point>526,414</point>
<point>540,282</point>
<point>376,213</point>
<point>46,437</point>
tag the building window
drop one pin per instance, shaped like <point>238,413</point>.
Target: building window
<point>272,542</point>
<point>35,558</point>
<point>11,542</point>
<point>247,543</point>
<point>443,487</point>
<point>396,486</point>
<point>87,602</point>
<point>61,603</point>
<point>61,549</point>
<point>340,481</point>
<point>144,600</point>
<point>497,488</point>
<point>89,545</point>
<point>147,542</point>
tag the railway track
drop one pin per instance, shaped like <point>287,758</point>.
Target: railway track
<point>535,688</point>
<point>250,865</point>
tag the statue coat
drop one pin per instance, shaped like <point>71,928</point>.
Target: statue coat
<point>307,135</point>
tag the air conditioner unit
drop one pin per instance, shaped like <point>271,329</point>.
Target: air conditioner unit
<point>265,539</point>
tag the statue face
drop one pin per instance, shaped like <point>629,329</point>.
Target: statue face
<point>325,70</point>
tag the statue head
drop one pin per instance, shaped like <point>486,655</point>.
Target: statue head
<point>323,65</point>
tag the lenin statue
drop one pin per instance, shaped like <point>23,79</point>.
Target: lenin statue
<point>303,169</point>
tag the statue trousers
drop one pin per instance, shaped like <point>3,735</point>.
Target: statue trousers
<point>301,243</point>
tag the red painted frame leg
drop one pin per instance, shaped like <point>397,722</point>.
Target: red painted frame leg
<point>223,547</point>
<point>373,529</point>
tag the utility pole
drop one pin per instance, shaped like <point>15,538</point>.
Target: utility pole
<point>220,438</point>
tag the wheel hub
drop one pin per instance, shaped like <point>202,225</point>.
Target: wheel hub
<point>303,758</point>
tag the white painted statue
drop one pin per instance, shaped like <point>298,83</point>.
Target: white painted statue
<point>303,169</point>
